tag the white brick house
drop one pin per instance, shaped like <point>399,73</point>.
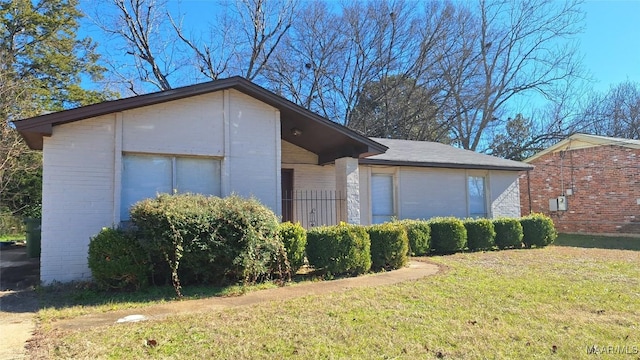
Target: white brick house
<point>232,136</point>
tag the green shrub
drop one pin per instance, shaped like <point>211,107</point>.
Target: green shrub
<point>508,233</point>
<point>389,246</point>
<point>339,249</point>
<point>419,234</point>
<point>448,235</point>
<point>216,240</point>
<point>480,234</point>
<point>117,261</point>
<point>249,229</point>
<point>538,230</point>
<point>294,237</point>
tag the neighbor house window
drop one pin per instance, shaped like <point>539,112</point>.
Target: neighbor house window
<point>145,176</point>
<point>477,197</point>
<point>382,199</point>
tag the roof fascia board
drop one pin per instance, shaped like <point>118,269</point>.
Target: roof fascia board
<point>243,85</point>
<point>595,140</point>
<point>108,107</point>
<point>548,150</point>
<point>444,165</point>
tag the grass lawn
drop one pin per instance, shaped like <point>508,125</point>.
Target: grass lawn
<point>556,302</point>
<point>10,238</point>
<point>595,241</point>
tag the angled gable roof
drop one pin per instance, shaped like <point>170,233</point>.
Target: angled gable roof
<point>323,137</point>
<point>432,154</point>
<point>584,141</point>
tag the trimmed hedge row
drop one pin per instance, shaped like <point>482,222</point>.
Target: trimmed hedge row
<point>339,249</point>
<point>448,235</point>
<point>481,234</point>
<point>419,234</point>
<point>508,233</point>
<point>294,238</point>
<point>389,246</point>
<point>538,230</point>
<point>196,239</point>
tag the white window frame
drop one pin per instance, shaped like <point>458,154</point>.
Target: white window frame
<point>174,174</point>
<point>394,190</point>
<point>487,208</point>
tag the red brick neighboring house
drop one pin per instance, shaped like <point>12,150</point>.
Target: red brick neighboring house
<point>598,178</point>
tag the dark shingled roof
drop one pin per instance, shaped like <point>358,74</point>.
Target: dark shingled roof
<point>432,154</point>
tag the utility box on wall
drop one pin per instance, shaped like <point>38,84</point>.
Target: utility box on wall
<point>558,204</point>
<point>562,203</point>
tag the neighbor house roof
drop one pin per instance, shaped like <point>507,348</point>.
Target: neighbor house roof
<point>323,137</point>
<point>432,154</point>
<point>584,141</point>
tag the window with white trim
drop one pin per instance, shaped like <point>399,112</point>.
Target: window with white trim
<point>477,196</point>
<point>145,176</point>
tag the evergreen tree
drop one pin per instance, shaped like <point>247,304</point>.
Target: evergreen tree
<point>42,63</point>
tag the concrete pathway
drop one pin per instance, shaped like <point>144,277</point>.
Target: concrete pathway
<point>18,302</point>
<point>20,325</point>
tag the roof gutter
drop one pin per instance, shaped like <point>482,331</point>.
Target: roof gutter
<point>444,165</point>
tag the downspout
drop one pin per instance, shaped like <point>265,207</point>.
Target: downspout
<point>529,191</point>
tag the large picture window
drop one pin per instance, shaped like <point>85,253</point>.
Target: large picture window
<point>145,176</point>
<point>477,197</point>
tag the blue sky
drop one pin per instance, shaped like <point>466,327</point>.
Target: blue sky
<point>611,41</point>
<point>610,44</point>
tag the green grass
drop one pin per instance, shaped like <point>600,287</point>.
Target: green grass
<point>516,304</point>
<point>10,238</point>
<point>596,241</point>
<point>65,301</point>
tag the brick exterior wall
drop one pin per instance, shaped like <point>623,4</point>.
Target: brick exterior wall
<point>605,183</point>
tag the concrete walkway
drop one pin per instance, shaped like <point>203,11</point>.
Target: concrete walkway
<point>17,322</point>
<point>18,302</point>
<point>417,269</point>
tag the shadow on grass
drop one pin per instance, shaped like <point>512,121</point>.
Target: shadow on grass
<point>600,242</point>
<point>61,296</point>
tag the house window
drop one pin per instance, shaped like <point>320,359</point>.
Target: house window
<point>145,176</point>
<point>382,199</point>
<point>477,197</point>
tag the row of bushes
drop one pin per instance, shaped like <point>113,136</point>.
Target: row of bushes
<point>185,239</point>
<point>450,235</point>
<point>351,249</point>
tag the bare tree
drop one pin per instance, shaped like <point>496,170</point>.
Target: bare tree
<point>615,113</point>
<point>397,108</point>
<point>302,67</point>
<point>331,56</point>
<point>506,49</point>
<point>470,61</point>
<point>139,29</point>
<point>162,53</point>
<point>522,137</point>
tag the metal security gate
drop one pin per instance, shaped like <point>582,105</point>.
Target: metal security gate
<point>313,207</point>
